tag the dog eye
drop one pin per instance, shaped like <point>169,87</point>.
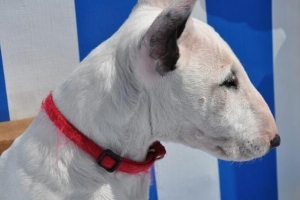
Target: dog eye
<point>230,82</point>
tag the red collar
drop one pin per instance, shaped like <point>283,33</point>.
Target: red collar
<point>104,158</point>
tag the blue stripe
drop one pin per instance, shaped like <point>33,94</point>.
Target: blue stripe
<point>153,190</point>
<point>97,20</point>
<point>247,27</point>
<point>4,112</point>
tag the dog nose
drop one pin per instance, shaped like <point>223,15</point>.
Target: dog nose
<point>275,142</point>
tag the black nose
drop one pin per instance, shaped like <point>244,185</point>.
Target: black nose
<point>275,142</point>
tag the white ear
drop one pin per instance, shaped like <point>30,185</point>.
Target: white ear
<point>159,51</point>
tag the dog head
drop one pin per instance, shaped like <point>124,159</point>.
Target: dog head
<point>199,93</point>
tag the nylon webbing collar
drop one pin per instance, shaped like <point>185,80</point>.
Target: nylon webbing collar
<point>105,158</point>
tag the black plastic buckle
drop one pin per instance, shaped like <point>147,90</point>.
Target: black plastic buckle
<point>111,154</point>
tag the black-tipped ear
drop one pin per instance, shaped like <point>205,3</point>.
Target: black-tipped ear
<point>181,28</point>
<point>161,38</point>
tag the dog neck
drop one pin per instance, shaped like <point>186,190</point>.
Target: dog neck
<point>95,105</point>
<point>104,101</point>
<point>92,100</point>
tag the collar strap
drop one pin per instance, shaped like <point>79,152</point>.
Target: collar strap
<point>107,159</point>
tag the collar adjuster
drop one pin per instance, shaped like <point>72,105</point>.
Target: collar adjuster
<point>112,155</point>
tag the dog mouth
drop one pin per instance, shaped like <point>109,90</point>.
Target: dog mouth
<point>228,149</point>
<point>240,152</point>
<point>221,150</point>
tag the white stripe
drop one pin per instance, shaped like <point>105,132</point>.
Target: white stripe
<point>199,11</point>
<point>39,48</point>
<point>286,31</point>
<point>186,173</point>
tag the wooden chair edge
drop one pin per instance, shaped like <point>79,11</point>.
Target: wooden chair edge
<point>9,131</point>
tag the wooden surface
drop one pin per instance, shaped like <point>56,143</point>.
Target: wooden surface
<point>11,130</point>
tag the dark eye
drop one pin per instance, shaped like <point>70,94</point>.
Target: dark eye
<point>230,82</point>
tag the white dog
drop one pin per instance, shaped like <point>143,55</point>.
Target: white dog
<point>163,76</point>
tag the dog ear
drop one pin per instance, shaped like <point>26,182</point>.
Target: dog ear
<point>160,41</point>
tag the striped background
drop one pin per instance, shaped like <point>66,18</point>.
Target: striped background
<point>41,41</point>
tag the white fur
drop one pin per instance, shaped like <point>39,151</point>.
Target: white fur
<point>117,99</point>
